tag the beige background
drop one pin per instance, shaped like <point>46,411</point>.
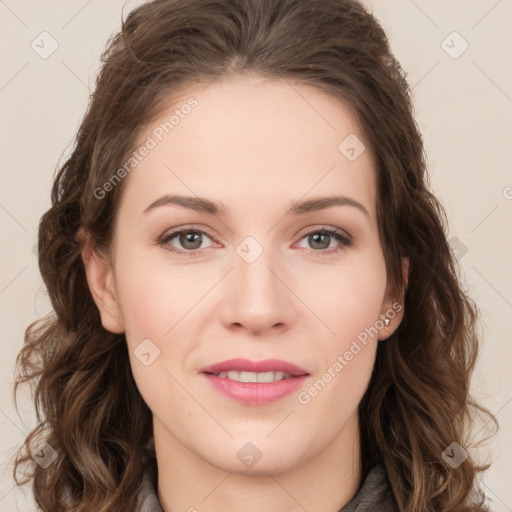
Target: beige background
<point>463,108</point>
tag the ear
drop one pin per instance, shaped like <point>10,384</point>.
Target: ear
<point>100,278</point>
<point>393,307</point>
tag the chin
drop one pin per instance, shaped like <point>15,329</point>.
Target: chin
<point>255,458</point>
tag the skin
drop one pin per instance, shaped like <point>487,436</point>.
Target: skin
<point>292,302</point>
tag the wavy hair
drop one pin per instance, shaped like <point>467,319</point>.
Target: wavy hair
<point>88,407</point>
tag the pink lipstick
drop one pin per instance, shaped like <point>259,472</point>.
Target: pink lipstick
<point>255,382</point>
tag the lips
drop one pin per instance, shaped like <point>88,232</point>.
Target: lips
<point>255,382</point>
<point>245,365</point>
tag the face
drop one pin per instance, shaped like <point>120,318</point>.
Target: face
<point>263,269</point>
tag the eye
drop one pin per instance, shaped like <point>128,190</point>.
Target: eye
<point>321,241</point>
<point>191,240</point>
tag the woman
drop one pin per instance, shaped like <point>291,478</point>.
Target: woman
<point>255,302</point>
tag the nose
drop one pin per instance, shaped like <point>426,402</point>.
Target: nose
<point>256,296</point>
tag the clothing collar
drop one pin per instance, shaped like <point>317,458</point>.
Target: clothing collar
<point>373,494</point>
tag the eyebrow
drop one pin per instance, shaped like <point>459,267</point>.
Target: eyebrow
<point>203,205</point>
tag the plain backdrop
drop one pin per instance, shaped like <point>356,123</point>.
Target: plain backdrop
<point>457,55</point>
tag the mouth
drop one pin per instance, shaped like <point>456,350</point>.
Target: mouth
<point>255,382</point>
<point>239,376</point>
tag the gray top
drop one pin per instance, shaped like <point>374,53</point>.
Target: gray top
<point>374,494</point>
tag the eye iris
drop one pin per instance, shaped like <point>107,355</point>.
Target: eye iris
<point>191,237</point>
<point>315,238</point>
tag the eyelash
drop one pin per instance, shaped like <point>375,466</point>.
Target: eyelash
<point>345,241</point>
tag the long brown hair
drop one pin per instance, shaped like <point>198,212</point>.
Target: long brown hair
<point>88,406</point>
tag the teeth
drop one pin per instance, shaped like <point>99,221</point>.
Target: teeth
<point>245,376</point>
<point>270,376</point>
<point>254,377</point>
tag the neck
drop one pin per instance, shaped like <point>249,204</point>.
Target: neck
<point>324,482</point>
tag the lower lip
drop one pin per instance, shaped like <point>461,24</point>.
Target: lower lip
<point>256,393</point>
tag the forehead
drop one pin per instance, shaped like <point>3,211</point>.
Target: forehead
<point>250,140</point>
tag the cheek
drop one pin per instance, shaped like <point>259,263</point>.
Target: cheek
<point>345,357</point>
<point>150,297</point>
<point>152,304</point>
<point>348,298</point>
<point>154,300</point>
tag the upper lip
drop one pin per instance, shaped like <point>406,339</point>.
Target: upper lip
<point>245,365</point>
